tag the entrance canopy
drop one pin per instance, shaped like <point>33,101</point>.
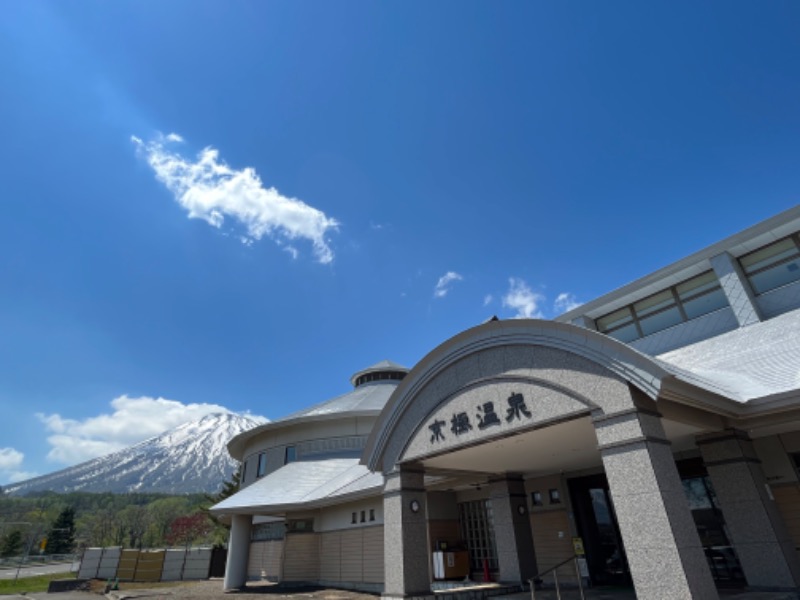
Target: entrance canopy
<point>503,380</point>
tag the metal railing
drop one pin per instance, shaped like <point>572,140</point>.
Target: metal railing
<point>554,571</point>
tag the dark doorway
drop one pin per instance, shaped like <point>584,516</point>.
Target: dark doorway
<point>597,525</point>
<point>219,556</point>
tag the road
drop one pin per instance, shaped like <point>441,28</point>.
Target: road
<point>33,570</point>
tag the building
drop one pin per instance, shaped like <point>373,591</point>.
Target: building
<point>657,426</point>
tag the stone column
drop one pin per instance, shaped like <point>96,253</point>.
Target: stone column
<point>736,287</point>
<point>664,552</point>
<point>238,552</point>
<point>405,535</point>
<point>512,530</point>
<point>757,531</point>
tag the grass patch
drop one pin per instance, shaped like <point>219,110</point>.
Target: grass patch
<point>29,585</point>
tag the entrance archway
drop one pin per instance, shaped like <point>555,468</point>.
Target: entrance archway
<point>514,397</point>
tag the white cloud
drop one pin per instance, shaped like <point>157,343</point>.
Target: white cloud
<point>10,459</point>
<point>132,420</point>
<point>10,462</point>
<point>521,298</point>
<point>211,190</point>
<point>565,302</point>
<point>443,285</point>
<point>487,299</point>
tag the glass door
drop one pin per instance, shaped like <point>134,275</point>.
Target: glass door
<point>597,526</point>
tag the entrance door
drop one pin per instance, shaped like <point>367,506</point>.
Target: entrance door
<point>597,526</point>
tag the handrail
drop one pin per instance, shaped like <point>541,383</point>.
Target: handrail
<point>554,571</point>
<point>538,575</point>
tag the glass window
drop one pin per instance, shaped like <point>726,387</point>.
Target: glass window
<point>291,455</point>
<point>615,319</point>
<point>262,465</point>
<point>768,256</point>
<point>661,320</point>
<point>477,530</point>
<point>773,266</point>
<point>776,276</point>
<point>709,302</point>
<point>654,303</point>
<point>625,334</point>
<point>697,285</point>
<point>689,299</point>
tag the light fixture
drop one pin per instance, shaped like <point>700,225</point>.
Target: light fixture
<point>414,506</point>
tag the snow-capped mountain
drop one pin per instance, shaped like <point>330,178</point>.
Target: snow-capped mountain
<point>191,458</point>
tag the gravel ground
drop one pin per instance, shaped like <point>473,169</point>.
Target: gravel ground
<point>212,590</point>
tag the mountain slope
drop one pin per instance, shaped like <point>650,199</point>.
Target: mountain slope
<point>191,458</point>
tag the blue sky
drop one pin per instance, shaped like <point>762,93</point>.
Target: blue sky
<point>238,205</point>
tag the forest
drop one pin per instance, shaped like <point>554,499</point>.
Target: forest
<point>80,519</point>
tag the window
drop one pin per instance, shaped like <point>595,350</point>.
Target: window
<point>555,497</point>
<point>262,465</point>
<point>772,266</point>
<point>687,300</point>
<point>300,525</point>
<point>290,455</point>
<point>354,518</point>
<point>477,529</point>
<point>371,514</point>
<point>536,498</point>
<point>380,376</point>
<point>363,516</point>
<point>243,478</point>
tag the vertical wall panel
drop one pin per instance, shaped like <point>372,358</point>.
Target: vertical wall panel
<point>301,560</point>
<point>550,548</point>
<point>373,554</point>
<point>330,556</point>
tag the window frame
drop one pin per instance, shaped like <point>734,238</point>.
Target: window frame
<point>677,301</point>
<point>794,238</point>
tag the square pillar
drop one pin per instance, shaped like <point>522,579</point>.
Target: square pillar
<point>737,289</point>
<point>512,530</point>
<point>405,535</point>
<point>664,552</point>
<point>755,527</point>
<point>238,552</point>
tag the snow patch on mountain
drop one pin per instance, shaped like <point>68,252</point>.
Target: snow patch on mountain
<point>191,458</point>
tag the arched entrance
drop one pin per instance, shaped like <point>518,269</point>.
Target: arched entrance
<point>514,402</point>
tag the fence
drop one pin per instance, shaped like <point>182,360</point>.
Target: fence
<point>148,565</point>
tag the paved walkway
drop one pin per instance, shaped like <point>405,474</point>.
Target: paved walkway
<point>627,594</point>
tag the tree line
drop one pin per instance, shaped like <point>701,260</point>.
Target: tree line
<point>52,523</point>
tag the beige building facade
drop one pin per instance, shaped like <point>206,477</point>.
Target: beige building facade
<point>654,433</point>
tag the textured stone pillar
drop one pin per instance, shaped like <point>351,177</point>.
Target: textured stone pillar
<point>405,535</point>
<point>757,531</point>
<point>238,552</point>
<point>512,530</point>
<point>661,542</point>
<point>736,287</point>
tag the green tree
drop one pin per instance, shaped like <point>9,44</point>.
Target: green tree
<point>11,544</point>
<point>61,537</point>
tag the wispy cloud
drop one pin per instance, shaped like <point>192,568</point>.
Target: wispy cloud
<point>487,299</point>
<point>211,190</point>
<point>522,299</point>
<point>131,420</point>
<point>565,302</point>
<point>443,285</point>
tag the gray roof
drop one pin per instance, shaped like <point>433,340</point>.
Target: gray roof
<point>759,360</point>
<point>365,398</point>
<point>307,484</point>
